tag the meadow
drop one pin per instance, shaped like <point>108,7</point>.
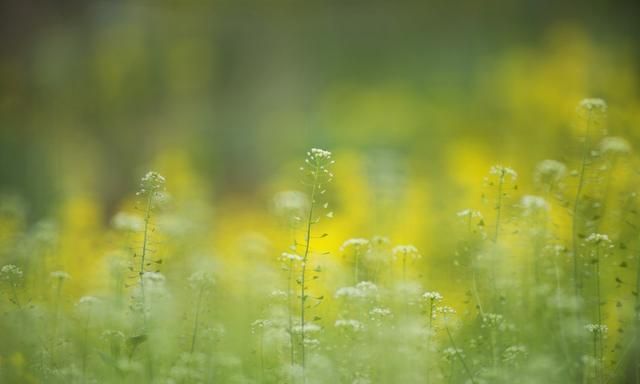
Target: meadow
<point>335,192</point>
<point>538,286</point>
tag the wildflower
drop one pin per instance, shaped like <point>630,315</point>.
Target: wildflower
<point>599,239</point>
<point>151,182</point>
<point>291,206</point>
<point>532,204</point>
<point>353,325</point>
<point>88,300</point>
<point>152,187</point>
<point>290,257</point>
<point>503,172</point>
<point>593,104</point>
<point>201,280</point>
<point>127,222</point>
<point>615,146</point>
<point>363,289</point>
<point>406,251</point>
<point>60,275</point>
<point>355,244</point>
<point>549,172</point>
<point>380,312</point>
<point>11,273</point>
<point>596,329</point>
<point>469,213</point>
<point>492,320</point>
<point>432,296</point>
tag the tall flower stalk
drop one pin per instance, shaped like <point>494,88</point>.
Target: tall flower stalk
<point>152,194</point>
<point>316,176</point>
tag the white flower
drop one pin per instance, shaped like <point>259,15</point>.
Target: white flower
<point>357,244</point>
<point>432,296</point>
<point>502,172</point>
<point>60,275</point>
<point>469,213</point>
<point>549,172</point>
<point>88,300</point>
<point>380,311</point>
<point>598,238</point>
<point>406,251</point>
<point>593,104</point>
<point>151,182</point>
<point>615,146</point>
<point>363,289</point>
<point>351,324</point>
<point>201,280</point>
<point>127,222</point>
<point>596,328</point>
<point>291,205</point>
<point>290,257</point>
<point>11,273</point>
<point>532,204</point>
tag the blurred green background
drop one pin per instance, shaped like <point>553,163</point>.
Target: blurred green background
<point>92,92</point>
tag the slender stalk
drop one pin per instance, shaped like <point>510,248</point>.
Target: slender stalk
<point>197,320</point>
<point>577,281</point>
<point>304,268</point>
<point>459,356</point>
<point>145,240</point>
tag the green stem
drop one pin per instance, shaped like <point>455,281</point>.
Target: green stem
<point>577,281</point>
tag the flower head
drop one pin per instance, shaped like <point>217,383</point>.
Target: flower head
<point>502,172</point>
<point>406,251</point>
<point>593,104</point>
<point>11,273</point>
<point>549,172</point>
<point>615,146</point>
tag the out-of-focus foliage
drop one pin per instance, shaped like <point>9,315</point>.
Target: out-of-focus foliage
<point>197,278</point>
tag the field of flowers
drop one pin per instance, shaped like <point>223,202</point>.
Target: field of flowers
<point>475,220</point>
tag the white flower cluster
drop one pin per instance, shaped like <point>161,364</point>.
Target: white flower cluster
<point>593,104</point>
<point>151,182</point>
<point>599,239</point>
<point>502,172</point>
<point>356,244</point>
<point>596,328</point>
<point>531,204</point>
<point>125,221</point>
<point>406,251</point>
<point>492,320</point>
<point>363,289</point>
<point>201,280</point>
<point>380,312</point>
<point>317,164</point>
<point>615,146</point>
<point>290,257</point>
<point>88,301</point>
<point>291,205</point>
<point>469,213</point>
<point>432,296</point>
<point>549,172</point>
<point>351,324</point>
<point>60,275</point>
<point>11,273</point>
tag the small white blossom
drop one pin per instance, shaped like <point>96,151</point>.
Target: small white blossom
<point>531,204</point>
<point>60,275</point>
<point>615,146</point>
<point>11,273</point>
<point>351,324</point>
<point>596,328</point>
<point>406,251</point>
<point>432,296</point>
<point>549,172</point>
<point>593,104</point>
<point>356,244</point>
<point>502,172</point>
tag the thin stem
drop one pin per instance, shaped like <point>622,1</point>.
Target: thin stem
<point>147,218</point>
<point>304,267</point>
<point>459,356</point>
<point>577,281</point>
<point>196,321</point>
